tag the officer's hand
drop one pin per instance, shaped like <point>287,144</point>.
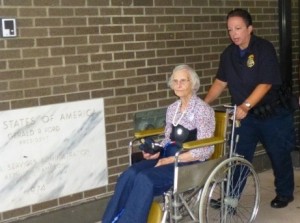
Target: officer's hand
<point>241,112</point>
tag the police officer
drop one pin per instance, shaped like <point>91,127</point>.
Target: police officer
<point>250,70</point>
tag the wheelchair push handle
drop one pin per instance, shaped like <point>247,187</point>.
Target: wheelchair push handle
<point>234,138</point>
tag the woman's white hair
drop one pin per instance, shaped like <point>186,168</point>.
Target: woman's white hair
<point>193,76</point>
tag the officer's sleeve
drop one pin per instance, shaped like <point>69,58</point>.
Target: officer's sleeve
<point>269,71</point>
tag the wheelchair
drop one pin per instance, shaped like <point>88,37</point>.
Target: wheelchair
<point>222,189</point>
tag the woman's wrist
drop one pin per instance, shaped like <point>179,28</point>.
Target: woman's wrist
<point>178,160</point>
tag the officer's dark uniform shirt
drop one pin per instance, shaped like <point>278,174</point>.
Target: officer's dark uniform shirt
<point>243,70</point>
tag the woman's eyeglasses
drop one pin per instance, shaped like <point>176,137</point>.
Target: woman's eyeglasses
<point>180,82</point>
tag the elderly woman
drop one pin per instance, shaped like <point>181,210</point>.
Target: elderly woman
<point>189,118</point>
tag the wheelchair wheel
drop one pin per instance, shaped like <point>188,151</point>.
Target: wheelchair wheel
<point>231,193</point>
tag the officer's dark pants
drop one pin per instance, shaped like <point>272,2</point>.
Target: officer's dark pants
<point>135,190</point>
<point>277,135</point>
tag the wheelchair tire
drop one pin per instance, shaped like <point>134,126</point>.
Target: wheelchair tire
<point>231,193</point>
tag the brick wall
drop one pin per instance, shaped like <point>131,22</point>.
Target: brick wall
<point>119,50</point>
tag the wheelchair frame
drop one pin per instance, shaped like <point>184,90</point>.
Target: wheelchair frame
<point>226,189</point>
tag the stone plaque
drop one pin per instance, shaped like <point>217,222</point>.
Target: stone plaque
<point>51,151</point>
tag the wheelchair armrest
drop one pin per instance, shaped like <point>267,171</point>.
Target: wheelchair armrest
<point>148,132</point>
<point>203,142</point>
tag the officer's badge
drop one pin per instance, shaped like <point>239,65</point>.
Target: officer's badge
<point>250,61</point>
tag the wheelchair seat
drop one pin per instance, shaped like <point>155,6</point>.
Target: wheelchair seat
<point>155,214</point>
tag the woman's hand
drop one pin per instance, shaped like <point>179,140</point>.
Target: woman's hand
<point>149,156</point>
<point>165,161</point>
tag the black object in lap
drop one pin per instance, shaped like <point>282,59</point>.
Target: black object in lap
<point>179,135</point>
<point>148,145</point>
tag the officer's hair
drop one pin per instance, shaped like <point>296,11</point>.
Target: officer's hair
<point>244,14</point>
<point>194,78</point>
